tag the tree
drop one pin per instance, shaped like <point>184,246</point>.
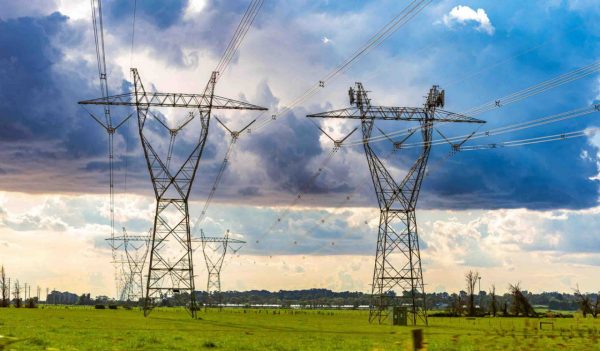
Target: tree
<point>471,279</point>
<point>585,304</point>
<point>457,306</point>
<point>520,305</point>
<point>596,308</point>
<point>494,301</point>
<point>504,308</point>
<point>5,293</point>
<point>17,294</point>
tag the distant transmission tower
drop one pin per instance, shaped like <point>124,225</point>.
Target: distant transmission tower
<point>214,263</point>
<point>397,260</point>
<point>136,249</point>
<point>107,124</point>
<point>171,272</point>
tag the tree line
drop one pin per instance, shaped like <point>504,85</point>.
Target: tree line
<point>470,302</point>
<point>515,302</point>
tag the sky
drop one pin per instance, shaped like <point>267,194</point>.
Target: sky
<point>527,213</point>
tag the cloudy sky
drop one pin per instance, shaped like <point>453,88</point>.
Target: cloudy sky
<point>527,213</point>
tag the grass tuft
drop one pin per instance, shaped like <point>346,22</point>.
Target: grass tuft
<point>209,345</point>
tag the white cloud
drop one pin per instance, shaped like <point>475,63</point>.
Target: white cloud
<point>194,8</point>
<point>593,136</point>
<point>463,14</point>
<point>75,9</point>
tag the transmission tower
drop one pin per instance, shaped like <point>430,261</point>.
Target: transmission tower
<point>170,271</point>
<point>397,259</point>
<point>136,249</point>
<point>214,263</point>
<point>106,122</point>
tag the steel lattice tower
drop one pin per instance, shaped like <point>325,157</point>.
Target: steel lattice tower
<point>397,259</point>
<point>214,263</point>
<point>136,249</point>
<point>170,271</point>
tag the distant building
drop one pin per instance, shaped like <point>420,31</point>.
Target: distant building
<point>62,298</point>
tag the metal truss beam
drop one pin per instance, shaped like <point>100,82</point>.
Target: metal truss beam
<point>147,100</point>
<point>396,114</point>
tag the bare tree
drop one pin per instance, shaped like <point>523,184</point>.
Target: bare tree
<point>5,292</point>
<point>585,304</point>
<point>494,301</point>
<point>471,279</point>
<point>17,293</point>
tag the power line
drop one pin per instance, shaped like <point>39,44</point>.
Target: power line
<point>509,99</point>
<point>398,21</point>
<point>375,40</point>
<point>536,140</point>
<point>517,126</point>
<point>233,46</point>
<point>537,89</point>
<point>239,35</point>
<point>234,136</point>
<point>513,143</point>
<point>502,130</point>
<point>133,32</point>
<point>464,78</point>
<point>98,27</point>
<point>304,188</point>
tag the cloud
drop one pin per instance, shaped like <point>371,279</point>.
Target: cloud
<point>15,9</point>
<point>464,14</point>
<point>492,242</point>
<point>162,14</point>
<point>593,136</point>
<point>194,8</point>
<point>47,136</point>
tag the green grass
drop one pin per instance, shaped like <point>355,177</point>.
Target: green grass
<point>172,329</point>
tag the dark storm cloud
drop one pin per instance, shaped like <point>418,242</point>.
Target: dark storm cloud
<point>39,88</point>
<point>160,13</point>
<point>249,191</point>
<point>26,59</point>
<point>43,128</point>
<point>543,176</point>
<point>37,99</point>
<point>286,149</point>
<point>513,178</point>
<point>161,27</point>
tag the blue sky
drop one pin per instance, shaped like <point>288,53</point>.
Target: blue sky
<point>53,164</point>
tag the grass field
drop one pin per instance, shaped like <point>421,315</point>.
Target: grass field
<point>172,329</point>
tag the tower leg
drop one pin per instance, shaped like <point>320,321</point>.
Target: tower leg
<point>397,275</point>
<point>171,272</point>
